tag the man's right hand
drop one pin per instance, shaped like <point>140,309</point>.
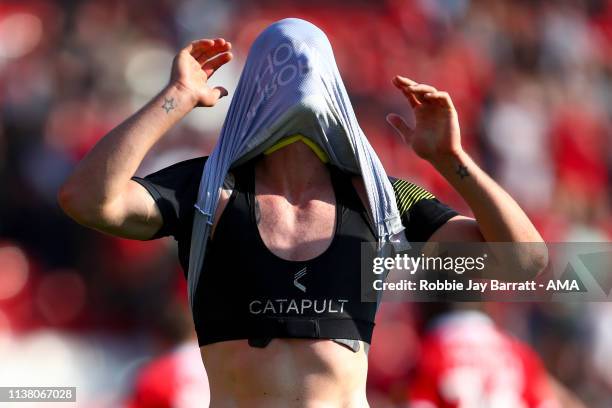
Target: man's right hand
<point>195,64</point>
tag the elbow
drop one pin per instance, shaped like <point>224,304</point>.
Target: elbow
<point>534,259</point>
<point>69,201</point>
<point>72,201</point>
<point>520,261</point>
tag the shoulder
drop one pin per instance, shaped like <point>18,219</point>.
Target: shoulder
<point>174,190</point>
<point>407,193</point>
<point>421,212</point>
<point>178,180</point>
<point>190,166</point>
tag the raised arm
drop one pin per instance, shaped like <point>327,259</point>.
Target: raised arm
<point>436,138</point>
<point>100,193</point>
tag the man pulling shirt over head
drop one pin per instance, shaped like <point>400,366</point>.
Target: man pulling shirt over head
<point>270,226</point>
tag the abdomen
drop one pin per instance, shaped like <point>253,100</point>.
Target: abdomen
<point>286,373</point>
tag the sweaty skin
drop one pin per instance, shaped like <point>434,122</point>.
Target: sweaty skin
<point>296,221</point>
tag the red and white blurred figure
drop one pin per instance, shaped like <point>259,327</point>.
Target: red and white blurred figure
<point>466,362</point>
<point>14,270</point>
<point>174,380</point>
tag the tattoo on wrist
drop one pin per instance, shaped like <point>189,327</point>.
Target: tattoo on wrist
<point>257,212</point>
<point>462,171</point>
<point>169,104</point>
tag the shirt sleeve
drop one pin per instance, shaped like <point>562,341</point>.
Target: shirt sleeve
<point>175,190</point>
<point>422,213</point>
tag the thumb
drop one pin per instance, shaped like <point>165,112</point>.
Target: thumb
<point>213,96</point>
<point>220,92</point>
<point>401,127</point>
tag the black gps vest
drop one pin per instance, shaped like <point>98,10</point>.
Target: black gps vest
<point>247,292</point>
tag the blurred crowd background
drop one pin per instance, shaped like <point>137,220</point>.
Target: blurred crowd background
<point>531,79</point>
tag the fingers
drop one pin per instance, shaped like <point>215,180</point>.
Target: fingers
<point>441,98</point>
<point>198,45</point>
<point>403,84</point>
<point>203,50</point>
<point>419,94</point>
<point>400,125</point>
<point>400,80</point>
<point>413,90</point>
<point>209,67</point>
<point>196,48</point>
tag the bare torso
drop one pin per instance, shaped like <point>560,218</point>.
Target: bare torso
<point>286,373</point>
<point>297,220</point>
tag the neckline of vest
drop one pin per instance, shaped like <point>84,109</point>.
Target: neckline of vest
<point>339,207</point>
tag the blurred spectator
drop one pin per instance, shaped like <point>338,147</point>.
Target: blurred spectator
<point>175,379</point>
<point>465,361</point>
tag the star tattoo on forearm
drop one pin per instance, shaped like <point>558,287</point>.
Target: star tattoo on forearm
<point>169,104</point>
<point>462,171</point>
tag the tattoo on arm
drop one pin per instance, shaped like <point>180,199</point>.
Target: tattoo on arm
<point>169,104</point>
<point>257,212</point>
<point>462,171</point>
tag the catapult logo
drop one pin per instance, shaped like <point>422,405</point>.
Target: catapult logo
<point>298,306</point>
<point>299,274</point>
